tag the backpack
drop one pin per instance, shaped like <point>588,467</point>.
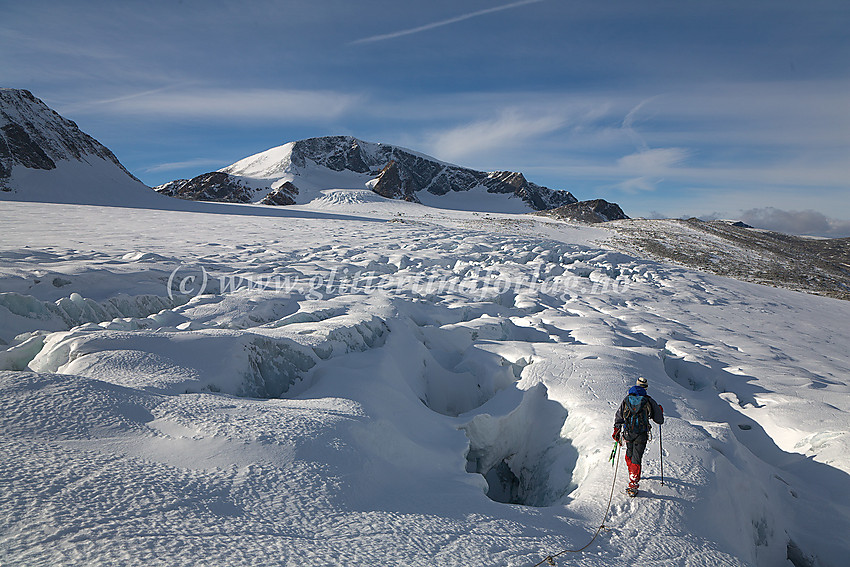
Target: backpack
<point>636,414</point>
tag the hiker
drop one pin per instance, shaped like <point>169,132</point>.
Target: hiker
<point>631,425</point>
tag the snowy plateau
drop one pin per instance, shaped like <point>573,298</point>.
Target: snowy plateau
<point>365,381</point>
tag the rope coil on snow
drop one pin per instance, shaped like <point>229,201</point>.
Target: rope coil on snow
<point>550,559</point>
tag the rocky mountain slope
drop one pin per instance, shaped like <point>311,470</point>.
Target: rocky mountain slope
<point>812,265</point>
<point>297,172</point>
<point>45,157</point>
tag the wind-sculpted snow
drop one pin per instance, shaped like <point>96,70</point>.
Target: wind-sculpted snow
<point>24,317</point>
<point>371,382</point>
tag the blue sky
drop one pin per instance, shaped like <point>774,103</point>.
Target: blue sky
<point>687,107</point>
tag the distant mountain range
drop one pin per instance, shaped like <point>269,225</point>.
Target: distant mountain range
<point>46,157</point>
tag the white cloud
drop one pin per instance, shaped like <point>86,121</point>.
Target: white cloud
<point>806,222</point>
<point>509,130</point>
<point>653,162</point>
<point>637,184</point>
<point>649,167</point>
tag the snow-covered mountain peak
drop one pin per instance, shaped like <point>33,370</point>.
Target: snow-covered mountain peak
<point>311,166</point>
<point>270,164</point>
<point>337,153</point>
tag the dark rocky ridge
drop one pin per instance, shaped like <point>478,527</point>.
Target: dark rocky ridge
<point>593,211</point>
<point>214,186</point>
<point>402,174</point>
<point>283,195</point>
<point>391,185</point>
<point>223,187</point>
<point>36,137</point>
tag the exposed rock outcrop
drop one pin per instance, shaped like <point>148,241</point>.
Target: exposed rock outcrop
<point>389,184</point>
<point>214,186</point>
<point>593,211</point>
<point>283,195</point>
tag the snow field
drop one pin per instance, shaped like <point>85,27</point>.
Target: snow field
<point>432,415</point>
<point>89,180</point>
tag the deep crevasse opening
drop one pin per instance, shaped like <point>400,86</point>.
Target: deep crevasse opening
<point>522,455</point>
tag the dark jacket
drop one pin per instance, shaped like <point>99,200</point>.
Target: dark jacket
<point>655,413</point>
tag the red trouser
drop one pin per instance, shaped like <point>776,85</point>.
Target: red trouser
<point>635,446</point>
<point>634,473</point>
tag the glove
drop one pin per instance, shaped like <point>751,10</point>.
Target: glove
<point>616,435</point>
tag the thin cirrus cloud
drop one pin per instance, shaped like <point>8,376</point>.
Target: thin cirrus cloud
<point>232,104</point>
<point>441,23</point>
<point>192,163</point>
<point>629,125</point>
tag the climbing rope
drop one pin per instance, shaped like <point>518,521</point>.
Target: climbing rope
<point>550,559</point>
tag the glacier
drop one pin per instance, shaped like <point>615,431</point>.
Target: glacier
<point>432,387</point>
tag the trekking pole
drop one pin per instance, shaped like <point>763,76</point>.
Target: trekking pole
<point>661,451</point>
